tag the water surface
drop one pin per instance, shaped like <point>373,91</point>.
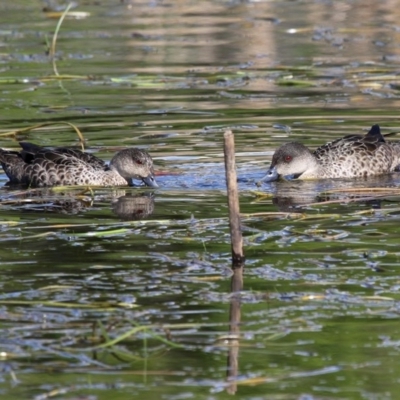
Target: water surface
<point>114,293</point>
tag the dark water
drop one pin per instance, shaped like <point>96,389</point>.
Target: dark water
<point>115,293</point>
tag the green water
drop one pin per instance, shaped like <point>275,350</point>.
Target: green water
<point>116,293</point>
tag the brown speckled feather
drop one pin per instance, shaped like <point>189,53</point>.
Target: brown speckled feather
<point>355,155</point>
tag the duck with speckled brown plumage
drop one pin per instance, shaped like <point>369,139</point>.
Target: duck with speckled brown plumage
<point>38,166</point>
<point>349,157</point>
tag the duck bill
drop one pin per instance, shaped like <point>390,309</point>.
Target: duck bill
<point>150,181</point>
<point>272,175</point>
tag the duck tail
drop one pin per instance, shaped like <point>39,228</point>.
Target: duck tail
<point>13,165</point>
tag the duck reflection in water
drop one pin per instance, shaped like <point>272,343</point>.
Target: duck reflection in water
<point>294,196</point>
<point>132,207</point>
<point>128,206</point>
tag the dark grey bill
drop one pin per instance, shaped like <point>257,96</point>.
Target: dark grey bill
<point>150,181</point>
<point>271,175</point>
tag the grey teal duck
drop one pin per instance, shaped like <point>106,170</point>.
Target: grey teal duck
<point>349,157</point>
<point>38,166</point>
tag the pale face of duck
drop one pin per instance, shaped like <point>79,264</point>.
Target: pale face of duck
<point>291,161</point>
<point>134,164</point>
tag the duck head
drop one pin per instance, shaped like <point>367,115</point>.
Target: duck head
<point>291,161</point>
<point>134,163</point>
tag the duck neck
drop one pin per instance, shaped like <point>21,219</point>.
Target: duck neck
<point>396,154</point>
<point>314,169</point>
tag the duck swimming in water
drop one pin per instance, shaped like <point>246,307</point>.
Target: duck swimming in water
<point>38,166</point>
<point>349,157</point>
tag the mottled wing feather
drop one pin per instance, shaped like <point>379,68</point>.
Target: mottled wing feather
<point>38,166</point>
<point>64,167</point>
<point>360,154</point>
<point>87,158</point>
<point>351,144</point>
<point>33,152</point>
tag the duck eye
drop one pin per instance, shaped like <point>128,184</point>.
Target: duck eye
<point>288,158</point>
<point>140,162</point>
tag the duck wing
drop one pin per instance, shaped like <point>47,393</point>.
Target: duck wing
<point>368,144</point>
<point>40,166</point>
<point>31,154</point>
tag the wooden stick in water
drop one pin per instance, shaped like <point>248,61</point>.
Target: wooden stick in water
<point>233,200</point>
<point>237,262</point>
